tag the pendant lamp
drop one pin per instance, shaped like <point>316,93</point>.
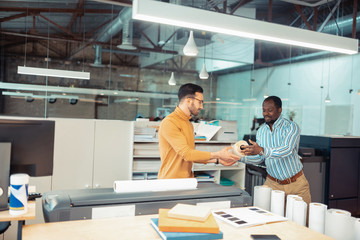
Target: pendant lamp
<point>172,80</point>
<point>204,74</point>
<point>190,49</point>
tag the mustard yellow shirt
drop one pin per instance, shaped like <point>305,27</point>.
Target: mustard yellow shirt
<point>177,147</point>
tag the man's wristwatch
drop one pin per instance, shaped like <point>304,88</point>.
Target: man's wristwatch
<point>217,161</point>
<point>261,153</point>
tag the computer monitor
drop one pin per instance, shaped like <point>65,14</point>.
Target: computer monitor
<point>32,145</point>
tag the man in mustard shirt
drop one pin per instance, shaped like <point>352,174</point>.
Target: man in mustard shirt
<point>176,138</point>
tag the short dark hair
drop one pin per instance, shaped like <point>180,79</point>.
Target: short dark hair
<point>189,90</point>
<point>277,101</point>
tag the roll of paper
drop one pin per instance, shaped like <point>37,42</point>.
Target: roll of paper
<point>289,205</point>
<point>277,204</point>
<point>237,148</point>
<point>299,211</point>
<point>262,197</point>
<point>18,194</point>
<point>339,224</point>
<point>357,229</point>
<point>155,185</point>
<point>317,217</point>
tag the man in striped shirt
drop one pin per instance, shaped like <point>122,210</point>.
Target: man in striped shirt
<point>277,143</point>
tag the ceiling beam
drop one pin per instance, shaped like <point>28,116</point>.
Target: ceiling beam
<point>299,10</point>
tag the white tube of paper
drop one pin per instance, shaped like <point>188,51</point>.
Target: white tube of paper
<point>155,185</point>
<point>289,205</point>
<point>357,229</point>
<point>317,217</point>
<point>299,211</point>
<point>262,197</point>
<point>277,202</point>
<point>339,224</point>
<point>236,148</point>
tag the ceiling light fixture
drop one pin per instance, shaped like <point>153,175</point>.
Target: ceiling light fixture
<point>190,48</point>
<point>200,19</point>
<point>204,74</point>
<point>53,72</point>
<point>172,80</point>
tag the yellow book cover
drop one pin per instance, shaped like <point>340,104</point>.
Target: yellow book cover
<point>168,224</point>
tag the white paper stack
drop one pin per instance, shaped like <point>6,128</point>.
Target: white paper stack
<point>127,186</point>
<point>190,212</point>
<point>317,213</point>
<point>277,202</point>
<point>262,197</point>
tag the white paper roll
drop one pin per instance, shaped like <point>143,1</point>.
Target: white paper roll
<point>277,202</point>
<point>18,194</point>
<point>339,224</point>
<point>289,205</point>
<point>299,211</point>
<point>317,217</point>
<point>357,229</point>
<point>262,197</point>
<point>155,185</point>
<point>236,148</point>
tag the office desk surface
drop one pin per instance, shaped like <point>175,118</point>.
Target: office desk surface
<point>139,227</point>
<point>5,215</point>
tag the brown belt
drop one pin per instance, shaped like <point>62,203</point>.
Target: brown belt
<point>288,180</point>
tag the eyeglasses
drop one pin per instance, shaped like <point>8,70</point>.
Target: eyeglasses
<point>201,101</point>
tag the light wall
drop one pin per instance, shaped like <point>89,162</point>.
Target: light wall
<point>299,85</point>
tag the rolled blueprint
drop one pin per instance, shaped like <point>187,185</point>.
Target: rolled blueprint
<point>262,197</point>
<point>339,224</point>
<point>277,204</point>
<point>289,205</point>
<point>299,211</point>
<point>155,185</point>
<point>357,229</point>
<point>237,148</point>
<point>317,217</point>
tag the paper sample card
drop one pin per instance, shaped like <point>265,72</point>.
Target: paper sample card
<point>247,216</point>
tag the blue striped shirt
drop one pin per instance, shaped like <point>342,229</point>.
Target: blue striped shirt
<point>280,149</point>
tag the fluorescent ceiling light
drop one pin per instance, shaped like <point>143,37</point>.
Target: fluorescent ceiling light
<point>53,72</point>
<point>19,94</point>
<point>88,91</point>
<point>172,14</point>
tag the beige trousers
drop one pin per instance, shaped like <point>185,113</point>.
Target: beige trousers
<point>299,187</point>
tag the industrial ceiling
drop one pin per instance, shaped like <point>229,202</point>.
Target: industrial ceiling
<point>87,31</point>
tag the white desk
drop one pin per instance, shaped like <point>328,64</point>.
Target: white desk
<point>139,227</point>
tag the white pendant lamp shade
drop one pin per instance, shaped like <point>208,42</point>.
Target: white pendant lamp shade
<point>172,80</point>
<point>190,48</point>
<point>327,99</point>
<point>203,74</point>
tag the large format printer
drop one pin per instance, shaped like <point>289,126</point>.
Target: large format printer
<point>66,205</point>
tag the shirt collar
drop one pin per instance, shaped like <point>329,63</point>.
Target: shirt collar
<point>181,114</point>
<point>277,122</point>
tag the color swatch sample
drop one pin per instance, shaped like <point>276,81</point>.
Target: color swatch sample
<point>247,216</point>
<point>184,235</point>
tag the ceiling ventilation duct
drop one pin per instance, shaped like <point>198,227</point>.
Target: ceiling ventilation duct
<point>109,31</point>
<point>127,36</point>
<point>345,25</point>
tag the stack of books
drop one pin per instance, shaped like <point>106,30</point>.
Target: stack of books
<point>186,222</point>
<point>204,177</point>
